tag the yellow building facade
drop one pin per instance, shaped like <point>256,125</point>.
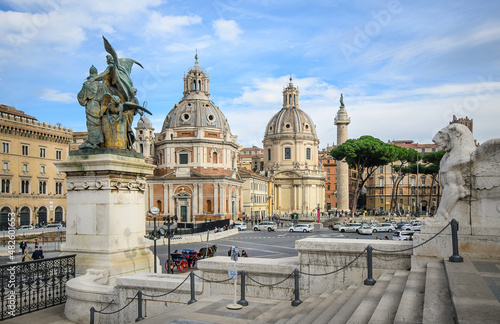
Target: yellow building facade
<point>31,186</point>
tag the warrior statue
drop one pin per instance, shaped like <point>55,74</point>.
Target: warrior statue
<point>110,105</point>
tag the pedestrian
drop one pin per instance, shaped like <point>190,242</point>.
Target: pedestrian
<point>36,243</point>
<point>244,254</point>
<point>26,257</point>
<point>23,246</point>
<point>229,252</point>
<point>40,253</point>
<point>36,254</point>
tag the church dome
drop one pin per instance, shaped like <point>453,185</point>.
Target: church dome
<point>144,122</point>
<point>196,109</point>
<point>290,119</point>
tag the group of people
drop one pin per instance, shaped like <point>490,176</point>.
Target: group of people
<point>37,254</point>
<point>243,253</point>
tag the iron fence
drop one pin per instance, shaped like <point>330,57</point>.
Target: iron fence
<point>33,285</point>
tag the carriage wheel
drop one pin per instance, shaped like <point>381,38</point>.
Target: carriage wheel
<point>183,266</point>
<point>171,264</point>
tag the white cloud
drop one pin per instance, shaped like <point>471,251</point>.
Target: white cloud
<point>56,95</point>
<point>159,24</point>
<point>227,30</point>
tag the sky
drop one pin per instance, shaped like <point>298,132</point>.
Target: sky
<point>404,67</point>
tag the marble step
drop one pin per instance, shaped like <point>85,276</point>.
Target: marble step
<point>437,299</point>
<point>411,306</point>
<point>389,303</point>
<point>287,314</point>
<point>365,310</point>
<point>336,304</point>
<point>322,306</point>
<point>271,315</point>
<point>346,311</point>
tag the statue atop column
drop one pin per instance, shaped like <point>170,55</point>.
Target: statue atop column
<point>110,103</point>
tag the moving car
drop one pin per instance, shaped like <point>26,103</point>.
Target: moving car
<point>403,236</point>
<point>240,226</point>
<point>336,226</point>
<point>53,225</point>
<point>384,227</point>
<point>301,228</point>
<point>350,227</point>
<point>366,230</point>
<point>270,226</point>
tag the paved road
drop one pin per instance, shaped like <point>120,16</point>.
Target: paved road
<point>279,244</point>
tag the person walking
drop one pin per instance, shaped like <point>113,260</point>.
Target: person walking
<point>23,246</point>
<point>26,257</point>
<point>244,254</point>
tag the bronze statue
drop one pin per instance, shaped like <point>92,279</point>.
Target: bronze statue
<point>341,100</point>
<point>110,105</point>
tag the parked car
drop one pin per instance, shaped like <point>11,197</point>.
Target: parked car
<point>301,228</point>
<point>384,227</point>
<point>270,226</point>
<point>403,236</point>
<point>27,227</point>
<point>240,226</point>
<point>53,225</point>
<point>336,226</point>
<point>413,226</point>
<point>365,230</point>
<point>401,224</point>
<point>350,227</point>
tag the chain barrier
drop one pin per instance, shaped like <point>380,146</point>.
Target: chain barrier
<point>111,302</point>
<point>168,292</point>
<point>119,310</point>
<point>415,246</point>
<point>268,285</point>
<point>337,270</point>
<point>213,281</point>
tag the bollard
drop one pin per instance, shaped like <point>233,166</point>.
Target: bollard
<point>92,311</point>
<point>139,307</point>
<point>454,241</point>
<point>369,281</point>
<point>296,301</point>
<point>193,299</point>
<point>242,301</point>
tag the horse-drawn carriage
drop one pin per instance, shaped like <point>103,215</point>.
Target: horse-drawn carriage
<point>189,258</point>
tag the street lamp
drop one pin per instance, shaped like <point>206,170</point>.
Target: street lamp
<point>154,211</point>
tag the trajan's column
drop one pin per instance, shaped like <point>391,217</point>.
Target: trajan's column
<point>342,120</point>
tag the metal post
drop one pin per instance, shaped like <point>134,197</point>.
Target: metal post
<point>454,238</point>
<point>193,299</point>
<point>369,281</point>
<point>139,307</point>
<point>154,247</point>
<point>242,301</point>
<point>92,311</point>
<point>296,301</point>
<point>169,261</point>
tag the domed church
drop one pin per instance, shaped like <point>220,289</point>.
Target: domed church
<point>291,159</point>
<point>196,176</point>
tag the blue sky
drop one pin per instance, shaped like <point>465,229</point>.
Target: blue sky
<point>404,67</point>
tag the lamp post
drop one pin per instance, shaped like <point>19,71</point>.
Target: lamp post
<point>318,208</point>
<point>154,211</point>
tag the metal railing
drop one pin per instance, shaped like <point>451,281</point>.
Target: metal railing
<point>34,285</point>
<point>295,273</point>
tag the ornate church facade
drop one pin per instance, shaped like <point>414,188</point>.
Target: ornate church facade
<point>291,159</point>
<point>196,176</point>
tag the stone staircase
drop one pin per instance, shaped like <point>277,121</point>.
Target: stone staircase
<point>439,292</point>
<point>417,296</point>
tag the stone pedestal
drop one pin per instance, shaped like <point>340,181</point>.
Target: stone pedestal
<point>106,211</point>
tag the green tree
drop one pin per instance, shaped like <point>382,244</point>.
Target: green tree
<point>433,160</point>
<point>364,155</point>
<point>405,156</point>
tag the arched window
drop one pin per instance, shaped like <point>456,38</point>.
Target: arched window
<point>159,205</point>
<point>209,206</point>
<point>199,85</point>
<point>141,148</point>
<point>308,154</point>
<point>214,157</point>
<point>288,153</point>
<point>290,99</point>
<point>5,185</point>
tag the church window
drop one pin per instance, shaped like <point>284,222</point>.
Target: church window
<point>199,85</point>
<point>183,158</point>
<point>290,99</point>
<point>141,148</point>
<point>158,204</point>
<point>269,154</point>
<point>194,85</point>
<point>308,153</point>
<point>214,157</point>
<point>209,206</point>
<point>185,117</point>
<point>211,118</point>
<point>287,126</point>
<point>288,153</point>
